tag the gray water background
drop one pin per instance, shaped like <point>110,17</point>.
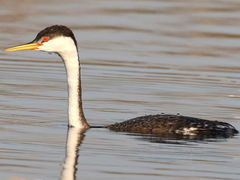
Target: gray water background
<point>138,57</point>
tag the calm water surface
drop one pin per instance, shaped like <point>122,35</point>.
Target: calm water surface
<point>138,57</point>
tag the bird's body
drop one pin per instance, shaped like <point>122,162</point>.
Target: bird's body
<point>174,124</point>
<point>60,39</point>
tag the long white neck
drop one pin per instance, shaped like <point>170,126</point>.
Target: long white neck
<point>72,65</point>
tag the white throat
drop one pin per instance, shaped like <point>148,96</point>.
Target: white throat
<point>66,48</point>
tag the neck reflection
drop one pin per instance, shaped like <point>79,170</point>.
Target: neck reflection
<point>75,137</point>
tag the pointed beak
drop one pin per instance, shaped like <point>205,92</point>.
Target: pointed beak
<point>28,46</point>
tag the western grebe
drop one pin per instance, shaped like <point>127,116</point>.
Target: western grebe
<point>60,39</point>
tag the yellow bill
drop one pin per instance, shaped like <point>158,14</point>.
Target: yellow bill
<point>23,47</point>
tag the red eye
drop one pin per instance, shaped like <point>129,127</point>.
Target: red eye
<point>45,39</point>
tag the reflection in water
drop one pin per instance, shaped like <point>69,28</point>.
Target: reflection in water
<point>76,136</point>
<point>74,139</point>
<point>180,139</point>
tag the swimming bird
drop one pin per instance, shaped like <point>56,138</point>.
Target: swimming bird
<point>60,39</point>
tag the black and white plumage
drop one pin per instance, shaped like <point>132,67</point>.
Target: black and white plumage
<point>174,124</point>
<point>60,39</point>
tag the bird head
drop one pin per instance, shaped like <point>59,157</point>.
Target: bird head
<point>58,39</point>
